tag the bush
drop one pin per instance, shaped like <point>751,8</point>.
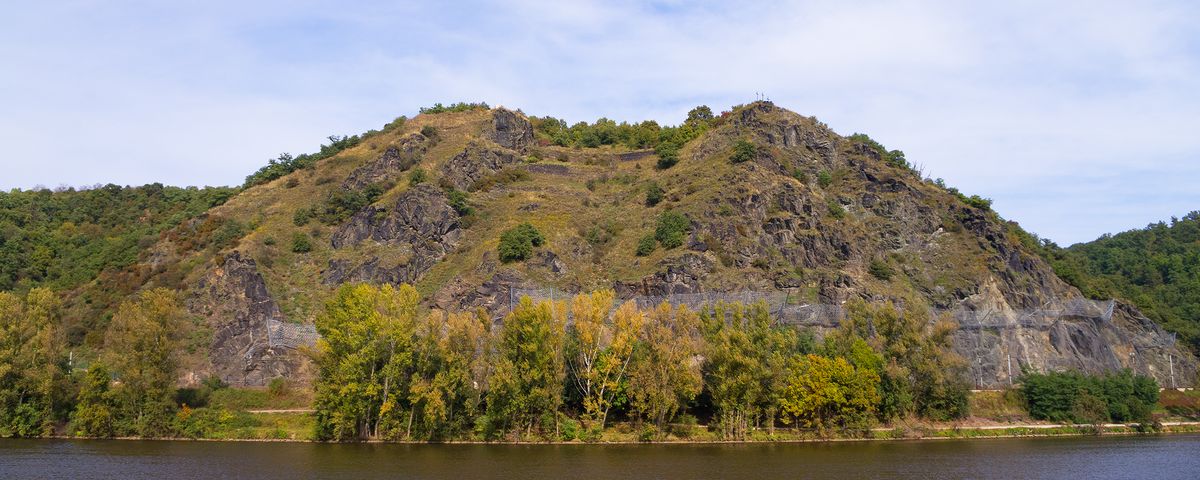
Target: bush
<point>654,194</point>
<point>977,201</point>
<point>503,177</point>
<point>1065,396</point>
<point>646,245</point>
<point>671,228</point>
<point>302,216</point>
<point>278,387</point>
<point>454,107</point>
<point>517,243</point>
<point>417,176</point>
<point>836,210</point>
<point>301,243</point>
<point>458,201</point>
<point>668,155</point>
<point>743,151</point>
<point>880,269</point>
<point>824,179</point>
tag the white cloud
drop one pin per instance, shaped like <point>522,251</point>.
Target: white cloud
<point>1026,102</point>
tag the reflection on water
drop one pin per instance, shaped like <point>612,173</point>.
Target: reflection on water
<point>1157,457</point>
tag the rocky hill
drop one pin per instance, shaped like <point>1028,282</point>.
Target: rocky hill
<point>776,206</point>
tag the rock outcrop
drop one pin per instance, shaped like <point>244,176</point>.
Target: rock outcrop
<point>391,164</point>
<point>233,299</point>
<point>510,130</point>
<point>476,162</point>
<point>421,221</point>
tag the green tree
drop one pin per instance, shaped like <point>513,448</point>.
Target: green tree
<point>365,363</point>
<point>94,412</point>
<point>743,151</point>
<point>828,394</point>
<point>527,378</point>
<point>517,243</point>
<point>654,194</point>
<point>142,345</point>
<point>31,370</point>
<point>671,228</point>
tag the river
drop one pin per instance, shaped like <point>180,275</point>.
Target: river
<point>1124,457</point>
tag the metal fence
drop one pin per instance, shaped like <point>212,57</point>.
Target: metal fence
<point>290,335</point>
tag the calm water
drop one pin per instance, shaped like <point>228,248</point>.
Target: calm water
<point>1155,457</point>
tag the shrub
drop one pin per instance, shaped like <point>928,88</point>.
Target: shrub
<point>824,179</point>
<point>671,228</point>
<point>668,155</point>
<point>454,107</point>
<point>417,176</point>
<point>978,202</point>
<point>301,243</point>
<point>458,201</point>
<point>292,182</point>
<point>278,387</point>
<point>1064,396</point>
<point>654,194</point>
<point>743,151</point>
<point>503,177</point>
<point>429,131</point>
<point>302,216</point>
<point>268,241</point>
<point>646,245</point>
<point>836,210</point>
<point>799,175</point>
<point>880,269</point>
<point>517,243</point>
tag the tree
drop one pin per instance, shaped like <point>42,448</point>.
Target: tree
<point>671,227</point>
<point>31,370</point>
<point>365,363</point>
<point>517,243</point>
<point>745,363</point>
<point>665,374</point>
<point>141,346</point>
<point>654,194</point>
<point>450,370</point>
<point>93,415</point>
<point>743,151</point>
<point>527,377</point>
<point>828,393</point>
<point>600,347</point>
<point>700,115</point>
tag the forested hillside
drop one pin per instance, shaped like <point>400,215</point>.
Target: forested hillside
<point>1157,268</point>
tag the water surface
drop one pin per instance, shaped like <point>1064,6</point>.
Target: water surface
<point>1123,457</point>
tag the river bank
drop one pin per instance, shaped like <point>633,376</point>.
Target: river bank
<point>619,435</point>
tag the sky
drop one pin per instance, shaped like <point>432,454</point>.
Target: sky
<point>1076,118</point>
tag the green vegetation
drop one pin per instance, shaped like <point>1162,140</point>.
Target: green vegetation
<point>417,176</point>
<point>880,269</point>
<point>1156,268</point>
<point>454,107</point>
<point>671,228</point>
<point>646,245</point>
<point>743,151</point>
<point>301,243</point>
<point>824,178</point>
<point>286,163</point>
<point>517,243</point>
<point>654,194</point>
<point>65,239</point>
<point>1090,399</point>
<point>666,141</point>
<point>459,201</point>
<point>894,158</point>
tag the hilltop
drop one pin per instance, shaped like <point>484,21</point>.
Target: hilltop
<point>756,202</point>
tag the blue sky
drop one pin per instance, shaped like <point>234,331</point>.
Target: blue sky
<point>1077,118</point>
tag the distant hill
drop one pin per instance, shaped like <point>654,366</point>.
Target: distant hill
<point>475,205</point>
<point>1156,268</point>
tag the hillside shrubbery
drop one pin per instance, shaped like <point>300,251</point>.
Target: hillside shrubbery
<point>1079,398</point>
<point>517,243</point>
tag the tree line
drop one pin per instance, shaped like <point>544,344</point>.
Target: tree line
<point>565,369</point>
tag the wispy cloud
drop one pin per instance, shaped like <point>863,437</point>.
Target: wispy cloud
<point>1077,117</point>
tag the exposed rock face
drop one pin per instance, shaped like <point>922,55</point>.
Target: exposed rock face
<point>677,276</point>
<point>234,300</point>
<point>476,162</point>
<point>421,221</point>
<point>510,130</point>
<point>390,164</point>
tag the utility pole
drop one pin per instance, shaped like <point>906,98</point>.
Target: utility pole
<point>1010,380</point>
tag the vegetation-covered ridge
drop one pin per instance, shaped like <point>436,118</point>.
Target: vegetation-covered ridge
<point>1157,268</point>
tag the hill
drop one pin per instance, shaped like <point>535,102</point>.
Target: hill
<point>477,206</point>
<point>1156,268</point>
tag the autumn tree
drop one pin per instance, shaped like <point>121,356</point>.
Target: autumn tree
<point>450,371</point>
<point>600,346</point>
<point>665,374</point>
<point>94,412</point>
<point>828,394</point>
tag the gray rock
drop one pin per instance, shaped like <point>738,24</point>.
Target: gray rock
<point>476,162</point>
<point>233,298</point>
<point>510,130</point>
<point>391,164</point>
